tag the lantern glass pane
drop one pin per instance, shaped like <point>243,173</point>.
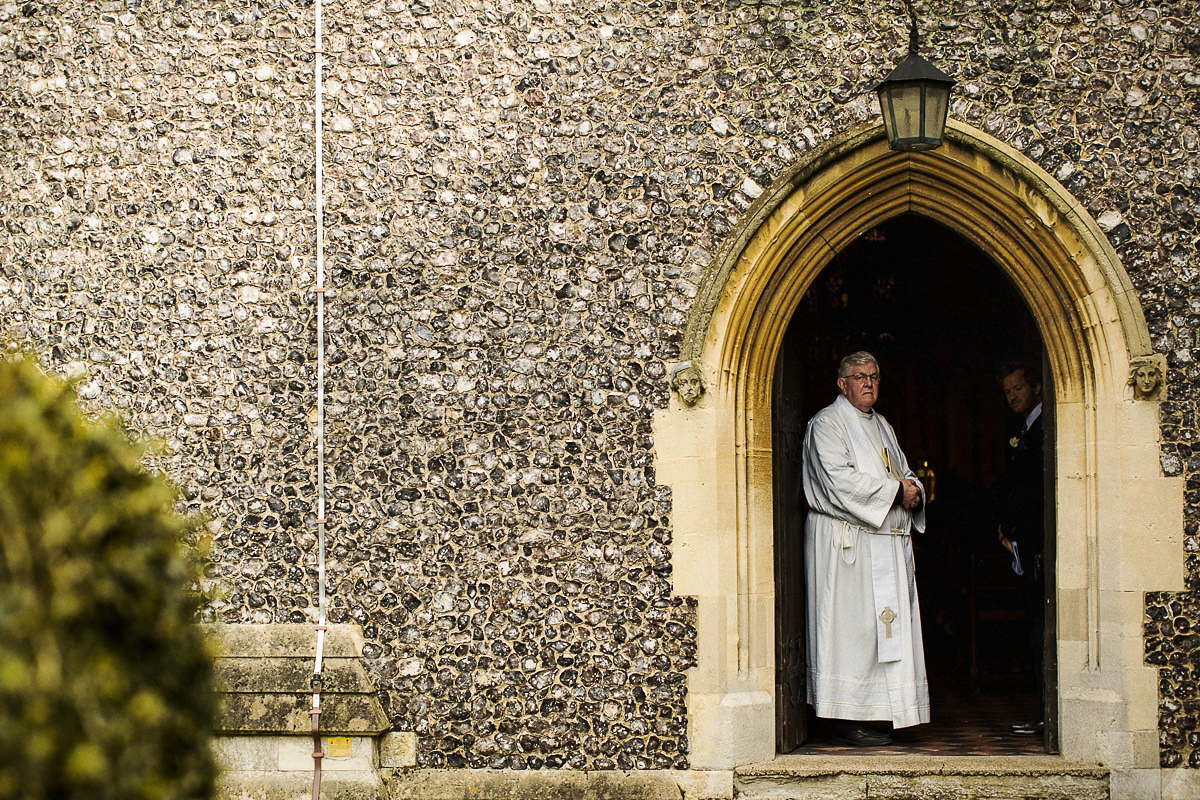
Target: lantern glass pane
<point>885,108</point>
<point>906,108</point>
<point>936,102</point>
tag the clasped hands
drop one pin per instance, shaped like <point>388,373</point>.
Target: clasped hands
<point>911,497</point>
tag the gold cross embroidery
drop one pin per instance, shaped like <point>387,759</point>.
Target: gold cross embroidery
<point>887,617</point>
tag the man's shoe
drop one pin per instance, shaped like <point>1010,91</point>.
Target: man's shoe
<point>1031,728</point>
<point>859,735</point>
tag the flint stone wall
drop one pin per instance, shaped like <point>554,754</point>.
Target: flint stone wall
<point>522,199</point>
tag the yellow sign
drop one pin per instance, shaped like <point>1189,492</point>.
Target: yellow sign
<point>338,747</point>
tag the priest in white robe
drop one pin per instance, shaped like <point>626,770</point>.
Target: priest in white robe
<point>865,658</point>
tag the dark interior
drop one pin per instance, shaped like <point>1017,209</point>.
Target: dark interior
<point>942,319</point>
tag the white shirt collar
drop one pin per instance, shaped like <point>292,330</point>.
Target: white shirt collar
<point>1032,416</point>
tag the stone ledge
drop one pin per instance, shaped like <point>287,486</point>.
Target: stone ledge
<point>264,681</point>
<point>921,765</point>
<point>289,713</point>
<point>921,777</point>
<point>283,640</point>
<point>269,785</point>
<point>284,674</point>
<point>540,784</point>
<point>420,784</point>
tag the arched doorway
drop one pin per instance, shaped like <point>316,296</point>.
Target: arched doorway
<point>943,320</point>
<point>1119,521</point>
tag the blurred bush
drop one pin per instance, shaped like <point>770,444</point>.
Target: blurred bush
<point>105,683</point>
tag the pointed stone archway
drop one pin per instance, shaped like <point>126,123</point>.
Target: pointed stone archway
<point>1119,520</point>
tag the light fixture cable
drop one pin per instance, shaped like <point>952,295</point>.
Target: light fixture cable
<point>914,42</point>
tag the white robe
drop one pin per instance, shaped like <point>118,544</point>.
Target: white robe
<point>855,671</point>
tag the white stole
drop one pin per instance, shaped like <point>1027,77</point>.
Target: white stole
<point>883,565</point>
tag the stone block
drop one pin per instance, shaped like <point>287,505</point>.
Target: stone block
<point>1139,784</point>
<point>699,784</point>
<point>1180,784</point>
<point>398,750</point>
<point>242,753</point>
<point>739,729</point>
<point>341,754</point>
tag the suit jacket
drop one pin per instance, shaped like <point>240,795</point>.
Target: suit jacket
<point>1021,489</point>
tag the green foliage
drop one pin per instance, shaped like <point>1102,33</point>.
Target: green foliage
<point>105,682</point>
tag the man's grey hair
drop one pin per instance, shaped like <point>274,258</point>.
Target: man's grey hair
<point>855,360</point>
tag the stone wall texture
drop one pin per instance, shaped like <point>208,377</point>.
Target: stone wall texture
<point>522,199</point>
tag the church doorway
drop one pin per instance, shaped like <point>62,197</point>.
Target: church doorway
<point>942,319</point>
<point>1119,528</point>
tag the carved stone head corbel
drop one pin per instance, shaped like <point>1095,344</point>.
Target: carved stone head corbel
<point>688,382</point>
<point>1146,378</point>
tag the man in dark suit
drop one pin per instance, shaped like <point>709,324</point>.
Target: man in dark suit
<point>1021,501</point>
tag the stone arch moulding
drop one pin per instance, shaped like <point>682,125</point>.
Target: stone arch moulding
<point>1113,545</point>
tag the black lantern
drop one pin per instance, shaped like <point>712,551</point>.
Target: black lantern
<point>914,100</point>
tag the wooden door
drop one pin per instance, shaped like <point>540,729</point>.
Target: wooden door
<point>790,661</point>
<point>1050,630</point>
